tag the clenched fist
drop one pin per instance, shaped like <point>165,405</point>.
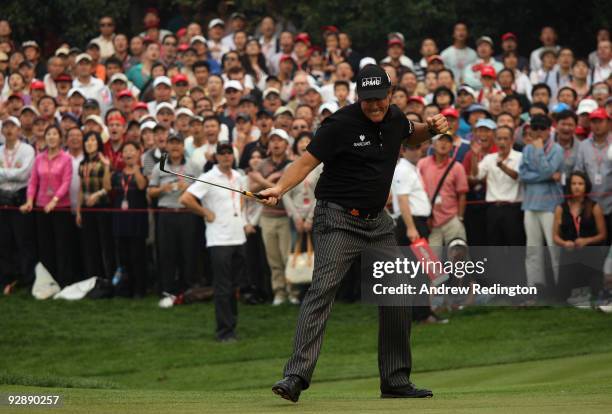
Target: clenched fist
<point>438,123</point>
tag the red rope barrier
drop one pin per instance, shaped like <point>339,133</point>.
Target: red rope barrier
<point>183,210</point>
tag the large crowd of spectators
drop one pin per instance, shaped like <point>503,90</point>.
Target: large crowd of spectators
<point>528,162</point>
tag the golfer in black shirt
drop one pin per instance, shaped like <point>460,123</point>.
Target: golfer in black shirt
<point>359,147</point>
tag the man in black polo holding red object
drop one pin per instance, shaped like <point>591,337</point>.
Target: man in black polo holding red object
<point>359,147</point>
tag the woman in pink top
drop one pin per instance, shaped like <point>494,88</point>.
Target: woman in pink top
<point>48,190</point>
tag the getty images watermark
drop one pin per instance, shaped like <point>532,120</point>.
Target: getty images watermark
<point>496,276</point>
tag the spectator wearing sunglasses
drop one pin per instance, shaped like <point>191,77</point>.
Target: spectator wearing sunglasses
<point>540,171</point>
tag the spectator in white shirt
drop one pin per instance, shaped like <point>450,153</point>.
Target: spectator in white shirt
<point>268,38</point>
<point>411,207</point>
<point>90,87</point>
<point>458,56</point>
<point>217,49</point>
<point>548,37</point>
<point>603,65</point>
<point>225,236</point>
<point>237,22</point>
<point>55,67</point>
<point>503,191</point>
<point>105,40</point>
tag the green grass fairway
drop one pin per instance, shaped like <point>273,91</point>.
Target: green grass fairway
<point>580,384</point>
<point>122,356</point>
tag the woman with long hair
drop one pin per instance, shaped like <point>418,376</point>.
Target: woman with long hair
<point>98,246</point>
<point>49,190</point>
<point>258,272</point>
<point>254,63</point>
<point>579,223</point>
<point>128,188</point>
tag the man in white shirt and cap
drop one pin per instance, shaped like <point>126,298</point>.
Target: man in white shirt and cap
<point>17,231</point>
<point>225,236</point>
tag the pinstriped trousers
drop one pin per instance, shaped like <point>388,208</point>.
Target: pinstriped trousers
<point>339,239</point>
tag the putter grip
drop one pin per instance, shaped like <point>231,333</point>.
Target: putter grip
<point>162,162</point>
<point>254,195</point>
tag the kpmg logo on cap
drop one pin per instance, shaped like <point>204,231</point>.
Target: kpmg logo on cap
<point>374,81</point>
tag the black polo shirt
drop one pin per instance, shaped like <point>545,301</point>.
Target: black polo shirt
<point>359,156</point>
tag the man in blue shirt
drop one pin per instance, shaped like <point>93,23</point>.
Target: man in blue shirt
<point>540,172</point>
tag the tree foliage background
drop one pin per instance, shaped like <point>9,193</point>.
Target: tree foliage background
<point>368,21</point>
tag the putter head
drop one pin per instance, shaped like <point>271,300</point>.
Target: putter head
<point>162,162</point>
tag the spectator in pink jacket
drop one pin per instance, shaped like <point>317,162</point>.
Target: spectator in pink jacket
<point>48,190</point>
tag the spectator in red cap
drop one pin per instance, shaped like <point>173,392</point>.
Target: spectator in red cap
<point>415,104</point>
<point>180,85</point>
<point>435,64</point>
<point>509,43</point>
<point>548,37</point>
<point>459,55</point>
<point>460,146</point>
<point>489,87</point>
<point>301,49</point>
<point>37,91</point>
<point>151,24</point>
<point>116,130</point>
<point>472,73</point>
<point>593,159</point>
<point>395,55</point>
<point>63,84</point>
<point>124,102</point>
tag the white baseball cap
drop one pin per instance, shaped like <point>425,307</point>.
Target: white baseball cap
<point>281,133</point>
<point>586,106</point>
<point>163,105</point>
<point>184,111</point>
<point>329,106</point>
<point>12,119</point>
<point>73,91</point>
<point>83,56</point>
<point>197,38</point>
<point>148,125</point>
<point>119,77</point>
<point>96,119</point>
<point>268,91</point>
<point>216,22</point>
<point>366,61</point>
<point>284,110</point>
<point>162,80</point>
<point>233,84</point>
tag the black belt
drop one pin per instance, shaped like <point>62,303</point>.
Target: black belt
<point>366,214</point>
<point>505,203</point>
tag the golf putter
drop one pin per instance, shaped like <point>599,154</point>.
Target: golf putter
<point>162,167</point>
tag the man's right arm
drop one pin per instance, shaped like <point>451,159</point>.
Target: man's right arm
<point>294,174</point>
